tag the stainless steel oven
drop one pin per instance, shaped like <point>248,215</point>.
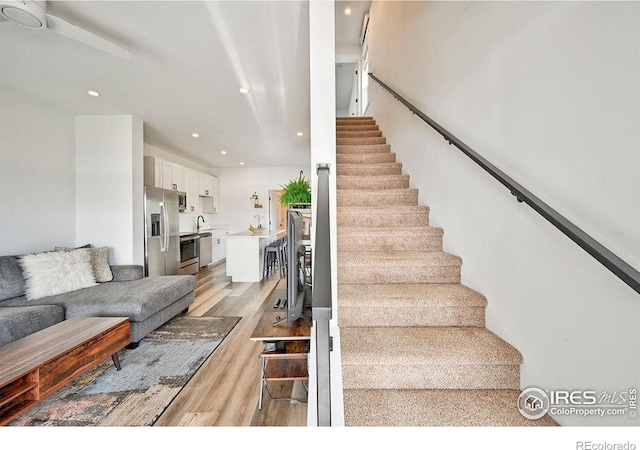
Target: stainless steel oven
<point>189,258</point>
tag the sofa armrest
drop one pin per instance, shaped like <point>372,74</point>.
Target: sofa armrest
<point>127,272</point>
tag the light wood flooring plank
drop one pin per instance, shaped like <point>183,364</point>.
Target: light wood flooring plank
<point>224,391</point>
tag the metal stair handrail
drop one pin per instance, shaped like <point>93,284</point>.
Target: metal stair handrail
<point>606,257</point>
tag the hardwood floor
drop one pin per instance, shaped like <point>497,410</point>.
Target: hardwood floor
<point>224,391</point>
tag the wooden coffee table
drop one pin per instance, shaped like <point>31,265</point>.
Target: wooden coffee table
<point>34,367</point>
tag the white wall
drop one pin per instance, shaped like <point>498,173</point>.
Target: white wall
<point>109,210</point>
<point>549,92</point>
<point>237,185</point>
<point>37,181</point>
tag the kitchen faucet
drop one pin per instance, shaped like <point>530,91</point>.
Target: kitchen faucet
<point>198,222</point>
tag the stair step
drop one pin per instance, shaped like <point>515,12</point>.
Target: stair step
<point>439,408</point>
<point>398,267</point>
<point>353,119</point>
<point>365,158</point>
<point>372,182</point>
<point>427,358</point>
<point>358,133</point>
<point>386,216</point>
<point>359,149</point>
<point>377,197</point>
<point>356,127</point>
<point>387,239</point>
<point>394,305</point>
<point>369,169</point>
<point>361,141</point>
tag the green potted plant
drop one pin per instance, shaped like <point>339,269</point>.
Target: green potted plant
<point>296,191</point>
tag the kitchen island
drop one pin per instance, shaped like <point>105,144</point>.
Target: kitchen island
<point>245,253</point>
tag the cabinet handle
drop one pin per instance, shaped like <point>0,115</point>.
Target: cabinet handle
<point>207,192</point>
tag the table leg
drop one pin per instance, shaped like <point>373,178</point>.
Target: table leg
<point>116,361</point>
<point>263,362</point>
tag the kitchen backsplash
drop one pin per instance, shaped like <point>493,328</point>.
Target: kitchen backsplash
<point>188,221</point>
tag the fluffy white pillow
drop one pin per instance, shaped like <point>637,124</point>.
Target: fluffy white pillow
<point>99,261</point>
<point>57,272</point>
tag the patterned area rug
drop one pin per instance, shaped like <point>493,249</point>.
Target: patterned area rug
<point>151,377</point>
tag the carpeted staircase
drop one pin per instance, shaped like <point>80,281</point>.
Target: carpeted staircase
<point>415,350</point>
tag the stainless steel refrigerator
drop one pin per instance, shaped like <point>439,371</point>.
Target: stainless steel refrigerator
<point>162,232</point>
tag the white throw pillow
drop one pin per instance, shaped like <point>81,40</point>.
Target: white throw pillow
<point>54,273</point>
<point>99,261</point>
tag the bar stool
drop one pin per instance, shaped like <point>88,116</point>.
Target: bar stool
<point>271,258</point>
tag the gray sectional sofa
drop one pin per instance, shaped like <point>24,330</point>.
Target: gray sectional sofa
<point>147,301</point>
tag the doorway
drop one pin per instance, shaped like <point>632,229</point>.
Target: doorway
<point>277,212</point>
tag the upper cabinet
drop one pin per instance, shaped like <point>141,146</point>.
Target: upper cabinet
<point>163,174</point>
<point>202,191</point>
<point>173,176</point>
<point>216,195</point>
<point>192,184</point>
<point>206,185</point>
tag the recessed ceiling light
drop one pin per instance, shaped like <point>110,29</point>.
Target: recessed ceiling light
<point>94,93</point>
<point>195,135</point>
<point>243,90</point>
<point>223,152</point>
<point>300,133</point>
<point>241,163</point>
<point>347,11</point>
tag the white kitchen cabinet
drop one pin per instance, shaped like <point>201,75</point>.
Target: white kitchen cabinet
<point>163,174</point>
<point>152,171</point>
<point>218,252</point>
<point>209,191</point>
<point>216,195</point>
<point>206,185</point>
<point>173,176</point>
<point>192,180</point>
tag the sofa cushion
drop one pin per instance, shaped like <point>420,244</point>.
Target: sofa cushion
<point>54,273</point>
<point>127,272</point>
<point>138,299</point>
<point>18,322</point>
<point>11,280</point>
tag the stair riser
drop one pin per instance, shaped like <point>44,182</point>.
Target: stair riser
<point>358,123</point>
<point>389,243</point>
<point>372,183</point>
<point>366,158</point>
<point>431,376</point>
<point>358,133</point>
<point>395,274</point>
<point>412,316</point>
<point>361,141</point>
<point>354,120</point>
<point>356,127</point>
<point>355,198</point>
<point>355,169</point>
<point>382,220</point>
<point>362,149</point>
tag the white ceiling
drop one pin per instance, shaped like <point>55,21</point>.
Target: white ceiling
<point>190,59</point>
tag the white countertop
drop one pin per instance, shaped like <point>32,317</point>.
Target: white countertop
<point>205,230</point>
<point>260,235</point>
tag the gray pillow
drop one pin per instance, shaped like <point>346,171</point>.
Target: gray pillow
<point>99,262</point>
<point>11,280</point>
